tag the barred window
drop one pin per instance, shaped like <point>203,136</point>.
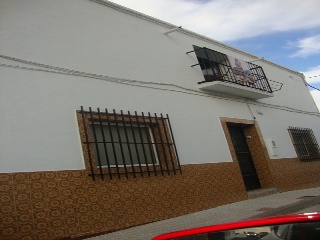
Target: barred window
<point>117,144</point>
<point>305,143</point>
<point>122,145</point>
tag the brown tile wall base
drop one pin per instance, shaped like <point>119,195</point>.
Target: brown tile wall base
<point>292,174</point>
<point>62,204</point>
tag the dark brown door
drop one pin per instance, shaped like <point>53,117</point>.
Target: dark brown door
<point>248,170</point>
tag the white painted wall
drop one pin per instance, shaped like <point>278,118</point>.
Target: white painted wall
<point>38,126</point>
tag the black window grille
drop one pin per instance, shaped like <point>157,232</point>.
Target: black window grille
<point>216,66</point>
<point>117,144</point>
<point>129,142</point>
<point>305,143</point>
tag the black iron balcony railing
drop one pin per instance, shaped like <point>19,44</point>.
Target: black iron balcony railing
<point>217,66</point>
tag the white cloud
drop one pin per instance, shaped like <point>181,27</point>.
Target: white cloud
<point>313,78</point>
<point>313,75</point>
<point>308,46</point>
<point>227,20</point>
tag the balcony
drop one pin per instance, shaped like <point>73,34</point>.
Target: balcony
<point>229,75</point>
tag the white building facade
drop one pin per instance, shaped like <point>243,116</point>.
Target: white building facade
<point>178,122</point>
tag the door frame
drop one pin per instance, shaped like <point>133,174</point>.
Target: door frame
<point>248,169</point>
<point>256,146</point>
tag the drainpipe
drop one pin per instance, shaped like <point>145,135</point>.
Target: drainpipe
<point>172,30</point>
<point>254,118</point>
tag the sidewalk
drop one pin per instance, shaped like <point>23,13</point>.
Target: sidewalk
<point>276,204</point>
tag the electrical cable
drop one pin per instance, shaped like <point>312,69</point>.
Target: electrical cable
<point>254,118</point>
<point>314,76</point>
<point>59,70</point>
<point>313,87</point>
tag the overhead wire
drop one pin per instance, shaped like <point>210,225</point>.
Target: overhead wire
<point>311,85</point>
<point>314,76</point>
<point>60,70</point>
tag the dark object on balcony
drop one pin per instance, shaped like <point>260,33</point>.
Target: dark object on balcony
<point>217,66</point>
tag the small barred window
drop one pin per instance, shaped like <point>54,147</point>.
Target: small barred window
<point>305,143</point>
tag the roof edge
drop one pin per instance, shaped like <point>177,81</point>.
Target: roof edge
<point>188,32</point>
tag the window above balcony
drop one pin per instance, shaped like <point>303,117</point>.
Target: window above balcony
<point>230,75</point>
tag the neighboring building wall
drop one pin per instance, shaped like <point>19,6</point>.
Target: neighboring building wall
<point>57,204</point>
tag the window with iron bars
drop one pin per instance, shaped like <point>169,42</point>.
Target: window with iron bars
<point>216,66</point>
<point>305,143</point>
<point>118,144</point>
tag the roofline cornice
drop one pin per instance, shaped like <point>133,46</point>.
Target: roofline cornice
<point>190,33</point>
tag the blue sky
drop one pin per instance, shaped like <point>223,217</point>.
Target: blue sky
<point>280,48</point>
<point>286,32</point>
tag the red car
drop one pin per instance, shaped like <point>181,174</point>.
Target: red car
<point>290,227</point>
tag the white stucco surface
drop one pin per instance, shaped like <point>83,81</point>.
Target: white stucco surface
<point>38,127</point>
